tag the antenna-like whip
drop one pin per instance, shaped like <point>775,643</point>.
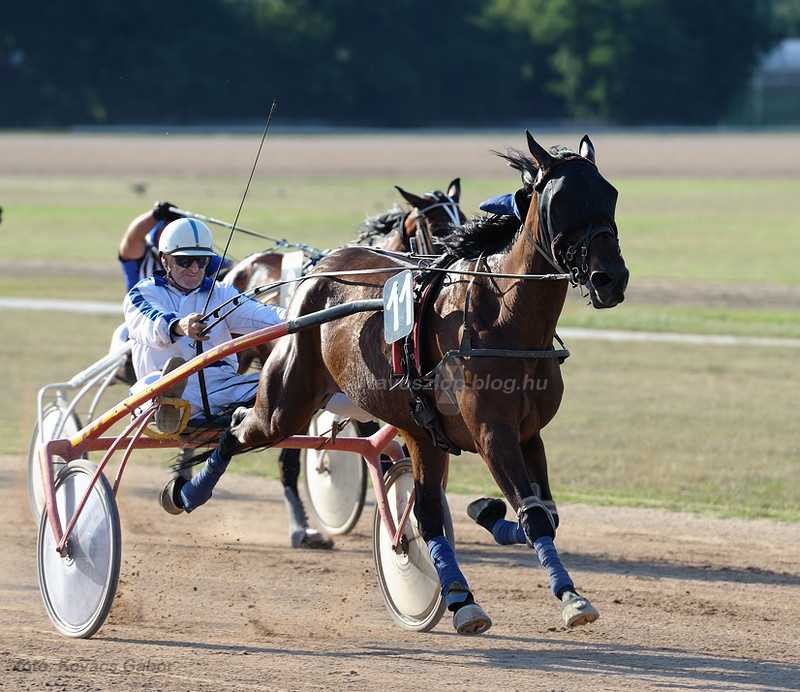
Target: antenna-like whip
<point>241,204</point>
<point>198,343</point>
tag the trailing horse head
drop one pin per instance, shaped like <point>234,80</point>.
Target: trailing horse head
<point>572,222</point>
<point>432,216</point>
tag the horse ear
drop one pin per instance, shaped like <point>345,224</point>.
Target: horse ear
<point>454,189</point>
<point>412,199</point>
<point>587,148</point>
<point>539,153</point>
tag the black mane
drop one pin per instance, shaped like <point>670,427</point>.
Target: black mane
<point>374,227</point>
<point>485,235</point>
<point>495,233</point>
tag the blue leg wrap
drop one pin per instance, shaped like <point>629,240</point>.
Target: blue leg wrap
<point>454,585</point>
<point>198,490</point>
<point>548,556</point>
<point>507,532</point>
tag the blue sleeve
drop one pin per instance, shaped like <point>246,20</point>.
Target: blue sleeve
<point>130,268</point>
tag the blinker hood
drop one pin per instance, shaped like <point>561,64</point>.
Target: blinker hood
<point>574,195</point>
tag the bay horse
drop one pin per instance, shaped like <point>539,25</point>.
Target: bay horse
<point>497,314</point>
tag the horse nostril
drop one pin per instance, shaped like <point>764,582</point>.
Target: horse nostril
<point>600,280</point>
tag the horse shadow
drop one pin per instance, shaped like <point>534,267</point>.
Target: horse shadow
<point>520,556</point>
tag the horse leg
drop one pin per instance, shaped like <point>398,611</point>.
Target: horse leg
<point>536,526</point>
<point>575,609</point>
<point>279,411</point>
<point>490,512</point>
<point>301,535</point>
<point>468,616</point>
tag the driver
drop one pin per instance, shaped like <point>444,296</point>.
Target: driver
<point>163,314</point>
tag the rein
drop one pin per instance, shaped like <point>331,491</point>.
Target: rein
<point>258,290</point>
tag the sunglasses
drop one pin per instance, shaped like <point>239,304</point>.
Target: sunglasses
<point>186,261</point>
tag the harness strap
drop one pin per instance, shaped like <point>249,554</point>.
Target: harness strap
<point>465,349</point>
<point>506,353</point>
<point>422,410</point>
<point>405,354</point>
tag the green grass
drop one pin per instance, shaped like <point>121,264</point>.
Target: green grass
<point>689,427</point>
<point>710,230</point>
<point>684,230</point>
<point>689,320</point>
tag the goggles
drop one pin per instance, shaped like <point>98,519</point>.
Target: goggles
<point>186,261</point>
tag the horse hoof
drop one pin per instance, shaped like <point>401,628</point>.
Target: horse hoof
<point>311,539</point>
<point>487,511</point>
<point>171,495</point>
<point>471,620</point>
<point>576,610</point>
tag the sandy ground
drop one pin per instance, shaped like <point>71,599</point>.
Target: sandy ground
<point>720,154</point>
<point>219,601</point>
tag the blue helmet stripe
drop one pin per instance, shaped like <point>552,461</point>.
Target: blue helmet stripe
<point>193,224</point>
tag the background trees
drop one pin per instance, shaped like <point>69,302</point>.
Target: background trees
<point>405,63</point>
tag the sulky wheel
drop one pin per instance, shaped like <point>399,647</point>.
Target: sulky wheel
<point>78,589</point>
<point>408,579</point>
<point>335,482</point>
<point>55,422</point>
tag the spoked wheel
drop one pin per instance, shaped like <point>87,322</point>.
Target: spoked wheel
<point>335,482</point>
<point>78,589</point>
<point>55,421</point>
<point>408,579</point>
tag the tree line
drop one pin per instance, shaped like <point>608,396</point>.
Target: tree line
<point>397,63</point>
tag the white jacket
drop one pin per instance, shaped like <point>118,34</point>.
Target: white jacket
<point>153,305</point>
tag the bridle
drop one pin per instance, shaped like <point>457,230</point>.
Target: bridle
<point>422,238</point>
<point>555,248</point>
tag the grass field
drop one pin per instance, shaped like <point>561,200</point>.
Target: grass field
<point>698,427</point>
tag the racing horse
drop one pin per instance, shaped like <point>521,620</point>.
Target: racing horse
<point>493,319</point>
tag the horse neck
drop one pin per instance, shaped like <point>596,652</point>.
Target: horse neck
<point>531,307</point>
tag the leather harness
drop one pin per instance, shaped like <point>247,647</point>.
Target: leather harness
<point>406,356</point>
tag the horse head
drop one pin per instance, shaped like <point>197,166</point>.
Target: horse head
<point>572,220</point>
<point>432,216</point>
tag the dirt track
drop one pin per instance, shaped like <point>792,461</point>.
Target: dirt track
<point>311,155</point>
<point>219,601</point>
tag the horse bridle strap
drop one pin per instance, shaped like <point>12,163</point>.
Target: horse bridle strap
<point>450,207</point>
<point>577,274</point>
<point>424,241</point>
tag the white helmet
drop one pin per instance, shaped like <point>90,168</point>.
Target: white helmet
<point>186,237</point>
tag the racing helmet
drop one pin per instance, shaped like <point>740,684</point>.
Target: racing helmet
<point>186,237</point>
